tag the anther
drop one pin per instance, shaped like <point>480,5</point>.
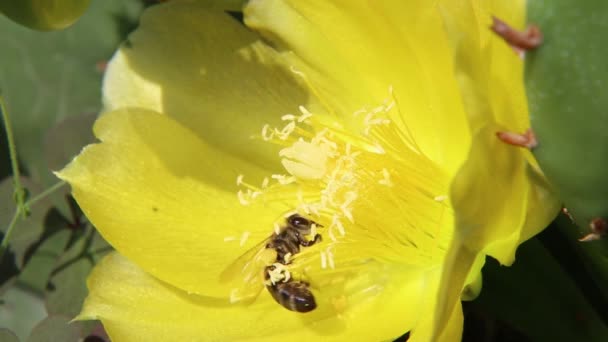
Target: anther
<point>305,114</point>
<point>386,178</point>
<point>330,259</point>
<point>288,117</point>
<point>242,198</point>
<point>244,238</point>
<point>267,133</point>
<point>323,260</point>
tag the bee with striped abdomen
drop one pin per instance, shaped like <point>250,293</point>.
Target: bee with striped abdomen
<point>286,241</point>
<point>292,294</point>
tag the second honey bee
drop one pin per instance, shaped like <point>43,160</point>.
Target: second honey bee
<point>293,295</point>
<point>258,267</point>
<point>288,240</point>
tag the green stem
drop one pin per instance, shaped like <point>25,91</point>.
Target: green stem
<point>19,190</point>
<point>8,233</point>
<point>45,193</point>
<point>34,200</point>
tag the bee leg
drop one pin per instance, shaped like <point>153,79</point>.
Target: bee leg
<point>307,243</point>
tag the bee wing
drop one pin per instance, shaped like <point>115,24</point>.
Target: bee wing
<point>348,284</point>
<point>245,276</point>
<point>243,264</point>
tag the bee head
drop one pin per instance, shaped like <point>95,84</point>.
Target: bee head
<point>299,222</point>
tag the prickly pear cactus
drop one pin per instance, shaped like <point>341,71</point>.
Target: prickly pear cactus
<point>567,87</point>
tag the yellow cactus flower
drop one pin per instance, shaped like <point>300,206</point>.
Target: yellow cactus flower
<point>500,197</point>
<point>345,113</point>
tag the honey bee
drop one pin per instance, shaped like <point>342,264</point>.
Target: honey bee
<point>288,241</point>
<point>292,294</point>
<point>266,266</point>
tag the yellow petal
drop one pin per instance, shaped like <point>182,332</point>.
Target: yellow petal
<point>155,192</point>
<point>208,72</point>
<point>488,70</point>
<point>467,26</point>
<point>500,199</point>
<point>134,306</point>
<point>451,330</point>
<point>507,91</point>
<point>458,266</point>
<point>543,205</point>
<point>490,194</point>
<point>489,197</point>
<point>490,74</point>
<point>350,56</point>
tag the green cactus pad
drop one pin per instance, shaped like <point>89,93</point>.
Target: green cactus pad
<point>567,88</point>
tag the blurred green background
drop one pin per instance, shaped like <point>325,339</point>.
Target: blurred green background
<point>51,86</point>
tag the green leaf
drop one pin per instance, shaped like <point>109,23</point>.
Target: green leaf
<point>67,138</point>
<point>20,311</point>
<point>8,270</point>
<point>536,297</point>
<point>7,336</point>
<point>44,15</point>
<point>28,230</point>
<point>47,77</point>
<point>55,328</point>
<point>67,285</point>
<point>62,143</point>
<point>566,79</point>
<point>44,256</point>
<point>67,289</point>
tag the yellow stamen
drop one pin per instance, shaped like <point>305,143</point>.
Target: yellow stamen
<point>244,238</point>
<point>375,190</point>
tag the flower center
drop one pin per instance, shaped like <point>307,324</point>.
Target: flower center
<point>375,193</point>
<point>374,187</point>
